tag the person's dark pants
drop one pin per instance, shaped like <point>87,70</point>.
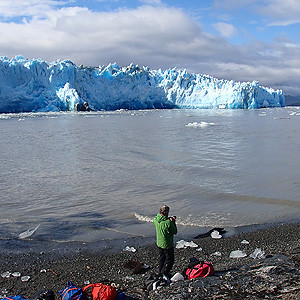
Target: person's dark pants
<point>166,260</point>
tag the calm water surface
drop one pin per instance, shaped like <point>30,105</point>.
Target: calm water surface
<point>102,176</point>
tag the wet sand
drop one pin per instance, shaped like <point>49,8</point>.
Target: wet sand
<point>281,244</point>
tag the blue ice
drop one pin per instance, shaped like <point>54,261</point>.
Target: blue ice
<point>28,85</point>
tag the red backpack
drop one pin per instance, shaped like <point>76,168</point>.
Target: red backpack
<point>101,291</point>
<point>203,269</point>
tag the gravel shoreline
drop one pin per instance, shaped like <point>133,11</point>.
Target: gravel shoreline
<point>276,276</point>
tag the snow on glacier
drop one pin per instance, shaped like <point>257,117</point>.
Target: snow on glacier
<point>36,85</point>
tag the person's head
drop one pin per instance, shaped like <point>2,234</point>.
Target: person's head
<point>164,210</point>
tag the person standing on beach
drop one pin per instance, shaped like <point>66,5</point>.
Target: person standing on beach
<point>165,227</point>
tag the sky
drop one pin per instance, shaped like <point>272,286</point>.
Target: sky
<point>241,40</point>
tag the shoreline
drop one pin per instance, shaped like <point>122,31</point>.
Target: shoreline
<point>52,270</point>
<point>15,246</point>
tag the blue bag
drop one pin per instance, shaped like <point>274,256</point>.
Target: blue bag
<point>120,296</point>
<point>19,297</point>
<point>72,292</point>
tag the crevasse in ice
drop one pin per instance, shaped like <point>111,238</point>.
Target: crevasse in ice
<point>35,85</point>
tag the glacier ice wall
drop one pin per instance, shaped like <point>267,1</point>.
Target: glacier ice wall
<point>36,85</point>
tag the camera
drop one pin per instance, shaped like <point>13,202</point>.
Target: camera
<point>173,218</point>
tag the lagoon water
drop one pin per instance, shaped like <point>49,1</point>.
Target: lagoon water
<point>92,177</point>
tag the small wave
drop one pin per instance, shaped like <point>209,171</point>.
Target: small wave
<point>179,221</point>
<point>144,218</point>
<point>210,220</point>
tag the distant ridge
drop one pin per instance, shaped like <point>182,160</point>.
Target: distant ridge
<point>292,100</point>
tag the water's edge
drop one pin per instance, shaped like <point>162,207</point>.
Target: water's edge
<point>54,249</point>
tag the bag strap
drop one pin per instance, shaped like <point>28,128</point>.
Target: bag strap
<point>193,268</point>
<point>86,287</point>
<point>67,289</point>
<point>209,268</point>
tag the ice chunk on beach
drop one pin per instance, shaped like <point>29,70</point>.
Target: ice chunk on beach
<point>28,232</point>
<point>177,277</point>
<point>215,234</point>
<point>244,242</point>
<point>25,278</point>
<point>183,244</point>
<point>217,253</point>
<point>5,274</point>
<point>258,253</point>
<point>237,254</point>
<point>129,249</point>
<point>28,85</point>
<point>129,278</point>
<point>266,269</point>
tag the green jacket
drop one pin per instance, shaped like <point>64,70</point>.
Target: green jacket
<point>165,230</point>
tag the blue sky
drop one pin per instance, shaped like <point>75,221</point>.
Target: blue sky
<point>231,39</point>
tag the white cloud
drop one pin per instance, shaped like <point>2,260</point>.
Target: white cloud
<point>29,8</point>
<point>144,34</point>
<point>156,36</point>
<point>151,2</point>
<point>280,12</point>
<point>225,29</point>
<point>234,4</point>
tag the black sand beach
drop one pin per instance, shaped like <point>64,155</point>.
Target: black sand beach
<point>276,276</point>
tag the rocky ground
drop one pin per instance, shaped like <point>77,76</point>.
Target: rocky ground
<point>276,276</point>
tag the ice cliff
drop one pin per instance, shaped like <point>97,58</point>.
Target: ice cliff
<point>36,85</point>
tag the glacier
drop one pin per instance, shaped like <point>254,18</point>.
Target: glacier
<point>34,85</point>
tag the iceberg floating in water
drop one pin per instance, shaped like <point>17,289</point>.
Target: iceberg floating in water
<point>201,125</point>
<point>36,85</point>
